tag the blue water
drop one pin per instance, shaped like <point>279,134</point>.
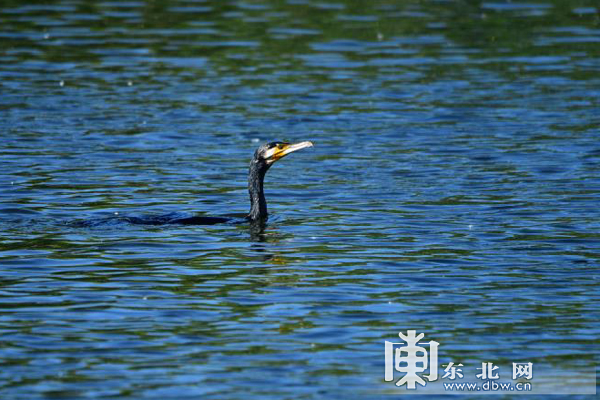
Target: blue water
<point>453,190</point>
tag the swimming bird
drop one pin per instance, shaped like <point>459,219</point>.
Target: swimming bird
<point>264,157</point>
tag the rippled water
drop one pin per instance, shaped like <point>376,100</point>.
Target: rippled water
<point>453,189</point>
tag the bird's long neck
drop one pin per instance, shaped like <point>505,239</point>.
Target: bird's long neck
<point>258,204</point>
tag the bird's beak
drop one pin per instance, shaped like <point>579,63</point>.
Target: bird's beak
<point>284,149</point>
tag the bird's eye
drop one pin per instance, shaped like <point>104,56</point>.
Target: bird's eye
<point>280,146</point>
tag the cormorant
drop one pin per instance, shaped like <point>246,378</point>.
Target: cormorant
<point>264,157</point>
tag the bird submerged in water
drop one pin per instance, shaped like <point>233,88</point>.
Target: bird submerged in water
<point>264,157</point>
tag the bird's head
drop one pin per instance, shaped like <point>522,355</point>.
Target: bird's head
<point>264,157</point>
<point>268,153</point>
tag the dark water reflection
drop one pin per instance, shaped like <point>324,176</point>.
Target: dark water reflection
<point>453,190</point>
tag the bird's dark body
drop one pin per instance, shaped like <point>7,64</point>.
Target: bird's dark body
<point>263,159</point>
<point>166,219</point>
<point>199,220</point>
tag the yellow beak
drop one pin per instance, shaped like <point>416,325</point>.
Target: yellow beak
<point>284,149</point>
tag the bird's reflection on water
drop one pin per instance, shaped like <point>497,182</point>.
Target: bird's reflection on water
<point>261,238</point>
<point>257,231</point>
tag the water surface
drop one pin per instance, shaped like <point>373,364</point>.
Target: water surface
<point>453,189</point>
